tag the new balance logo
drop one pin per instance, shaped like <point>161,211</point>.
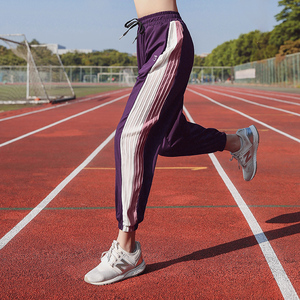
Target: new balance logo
<point>122,266</point>
<point>247,156</point>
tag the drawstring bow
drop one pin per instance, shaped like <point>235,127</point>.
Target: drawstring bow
<point>132,23</point>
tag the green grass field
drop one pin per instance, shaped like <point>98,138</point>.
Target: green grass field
<point>80,91</point>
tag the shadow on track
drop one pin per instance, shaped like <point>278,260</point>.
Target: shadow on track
<point>227,247</point>
<point>286,218</point>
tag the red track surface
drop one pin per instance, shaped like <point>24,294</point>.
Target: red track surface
<point>196,242</point>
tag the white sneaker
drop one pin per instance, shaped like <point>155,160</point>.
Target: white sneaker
<point>246,156</point>
<point>117,264</point>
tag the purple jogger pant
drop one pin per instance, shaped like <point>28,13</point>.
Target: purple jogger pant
<point>153,122</point>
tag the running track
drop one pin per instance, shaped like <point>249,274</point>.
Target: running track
<point>208,234</point>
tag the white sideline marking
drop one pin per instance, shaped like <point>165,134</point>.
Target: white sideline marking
<point>263,97</point>
<point>275,266</point>
<point>28,218</point>
<point>258,104</point>
<point>247,116</point>
<point>31,112</point>
<point>271,99</point>
<point>59,105</point>
<point>61,121</point>
<point>278,94</point>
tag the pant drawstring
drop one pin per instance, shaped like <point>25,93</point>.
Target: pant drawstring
<point>132,23</point>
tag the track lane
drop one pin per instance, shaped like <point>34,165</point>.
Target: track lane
<point>276,182</point>
<point>44,119</point>
<point>217,266</point>
<point>203,253</point>
<point>289,96</point>
<point>282,106</point>
<point>276,268</point>
<point>14,114</point>
<point>251,111</point>
<point>34,166</point>
<point>295,101</point>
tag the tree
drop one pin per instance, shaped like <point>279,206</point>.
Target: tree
<point>8,58</point>
<point>221,55</point>
<point>289,28</point>
<point>289,47</point>
<point>71,59</point>
<point>199,61</point>
<point>34,42</point>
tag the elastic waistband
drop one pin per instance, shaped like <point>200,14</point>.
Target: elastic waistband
<point>160,17</point>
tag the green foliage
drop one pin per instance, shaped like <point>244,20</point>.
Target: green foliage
<point>248,47</point>
<point>34,42</point>
<point>289,47</point>
<point>7,58</point>
<point>289,28</point>
<point>108,57</point>
<point>258,45</point>
<point>221,55</point>
<point>199,61</point>
<point>43,56</point>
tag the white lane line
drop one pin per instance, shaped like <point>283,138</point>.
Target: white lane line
<point>28,218</point>
<point>247,116</point>
<point>278,94</point>
<point>61,121</point>
<point>268,98</point>
<point>258,104</point>
<point>60,105</point>
<point>32,112</point>
<point>261,96</point>
<point>275,266</point>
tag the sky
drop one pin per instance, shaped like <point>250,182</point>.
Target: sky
<point>98,24</point>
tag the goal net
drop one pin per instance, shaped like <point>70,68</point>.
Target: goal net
<point>127,77</point>
<point>123,76</point>
<point>43,79</point>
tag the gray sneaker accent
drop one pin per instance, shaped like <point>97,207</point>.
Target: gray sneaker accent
<point>246,156</point>
<point>116,264</point>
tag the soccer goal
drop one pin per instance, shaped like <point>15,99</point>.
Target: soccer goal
<point>123,76</point>
<point>43,79</point>
<point>127,77</point>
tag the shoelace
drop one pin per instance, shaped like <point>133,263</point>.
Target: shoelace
<point>132,23</point>
<point>234,156</point>
<point>112,255</point>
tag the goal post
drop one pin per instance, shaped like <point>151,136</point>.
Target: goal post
<point>123,76</point>
<point>52,72</point>
<point>46,78</point>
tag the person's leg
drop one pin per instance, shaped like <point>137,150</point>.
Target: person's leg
<point>143,124</point>
<point>246,153</point>
<point>146,129</point>
<point>233,143</point>
<point>186,138</point>
<point>138,138</point>
<point>126,240</point>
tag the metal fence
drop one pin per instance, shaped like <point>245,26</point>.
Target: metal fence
<point>280,71</point>
<point>79,74</point>
<point>114,74</point>
<point>92,74</point>
<point>17,84</point>
<point>211,75</point>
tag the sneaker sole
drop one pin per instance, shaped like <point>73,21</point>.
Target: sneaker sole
<point>255,145</point>
<point>131,273</point>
